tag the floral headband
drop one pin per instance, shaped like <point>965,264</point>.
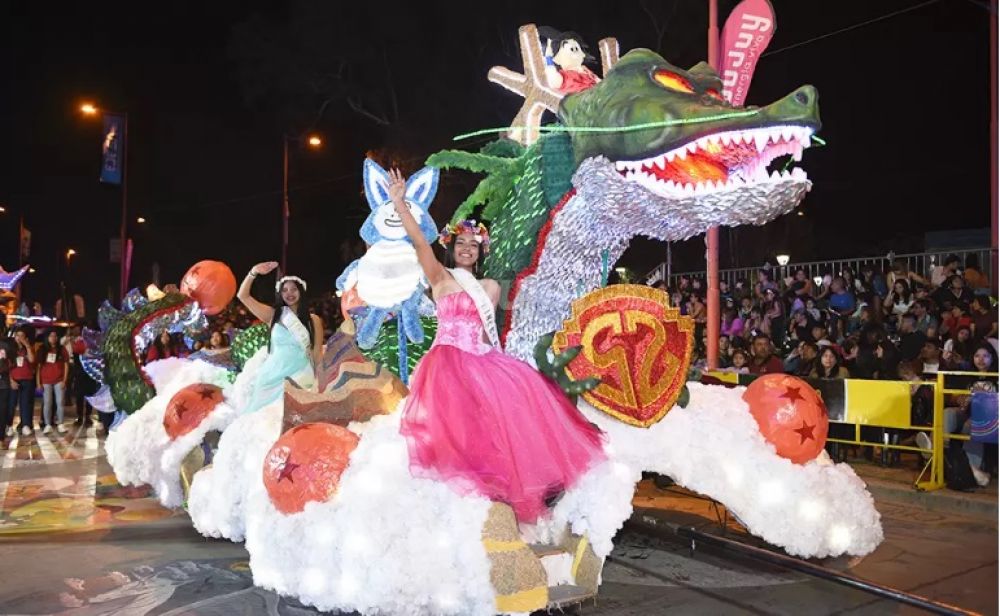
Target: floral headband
<point>284,279</point>
<point>478,229</point>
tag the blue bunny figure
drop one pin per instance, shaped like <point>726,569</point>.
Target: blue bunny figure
<point>388,278</point>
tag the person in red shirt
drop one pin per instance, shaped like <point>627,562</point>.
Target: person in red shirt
<point>162,348</point>
<point>764,360</point>
<point>22,378</point>
<point>6,397</point>
<point>53,370</point>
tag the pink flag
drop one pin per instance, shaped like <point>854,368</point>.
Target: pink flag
<point>744,38</point>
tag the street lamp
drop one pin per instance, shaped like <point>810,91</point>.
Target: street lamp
<point>89,109</point>
<point>69,254</point>
<point>141,220</point>
<point>783,260</point>
<point>314,141</point>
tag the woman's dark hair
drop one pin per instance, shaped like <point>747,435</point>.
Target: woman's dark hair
<point>48,347</point>
<point>222,336</point>
<point>821,369</point>
<point>972,262</point>
<point>907,293</point>
<point>158,343</point>
<point>872,335</point>
<point>986,346</point>
<point>302,313</point>
<point>449,257</point>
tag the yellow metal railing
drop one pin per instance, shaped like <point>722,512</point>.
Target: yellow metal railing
<point>939,436</point>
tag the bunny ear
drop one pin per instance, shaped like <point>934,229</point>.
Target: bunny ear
<point>376,182</point>
<point>422,186</point>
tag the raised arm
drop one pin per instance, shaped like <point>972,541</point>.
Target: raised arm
<point>433,269</point>
<point>262,311</point>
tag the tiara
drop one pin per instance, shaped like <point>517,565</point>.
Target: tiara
<point>478,229</point>
<point>284,279</point>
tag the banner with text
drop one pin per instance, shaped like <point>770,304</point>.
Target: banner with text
<point>744,38</point>
<point>112,149</point>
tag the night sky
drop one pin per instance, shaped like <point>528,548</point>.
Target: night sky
<point>211,86</point>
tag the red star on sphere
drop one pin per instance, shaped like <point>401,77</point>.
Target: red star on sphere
<point>206,393</point>
<point>792,393</point>
<point>805,432</point>
<point>287,468</point>
<point>180,408</point>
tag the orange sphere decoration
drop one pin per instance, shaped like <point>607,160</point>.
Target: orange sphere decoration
<point>305,465</point>
<point>189,407</point>
<point>211,284</point>
<point>790,414</point>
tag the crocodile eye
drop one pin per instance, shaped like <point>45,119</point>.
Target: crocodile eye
<point>715,94</point>
<point>672,81</point>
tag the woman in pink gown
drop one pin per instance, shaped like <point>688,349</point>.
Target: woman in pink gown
<point>480,420</point>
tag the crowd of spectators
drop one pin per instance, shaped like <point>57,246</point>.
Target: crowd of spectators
<point>865,324</point>
<point>891,325</point>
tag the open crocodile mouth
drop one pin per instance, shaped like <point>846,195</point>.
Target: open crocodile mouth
<point>721,161</point>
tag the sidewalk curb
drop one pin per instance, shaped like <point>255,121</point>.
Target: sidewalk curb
<point>944,500</point>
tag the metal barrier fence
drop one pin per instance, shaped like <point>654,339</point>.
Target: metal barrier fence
<point>880,404</point>
<point>922,263</point>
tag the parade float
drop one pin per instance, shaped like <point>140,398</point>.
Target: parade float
<point>318,483</point>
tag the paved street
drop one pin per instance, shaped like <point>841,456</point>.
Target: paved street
<point>72,541</point>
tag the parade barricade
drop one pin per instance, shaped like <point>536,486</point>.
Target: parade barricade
<point>856,404</point>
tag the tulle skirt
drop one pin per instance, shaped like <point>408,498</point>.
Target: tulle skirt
<point>493,425</point>
<point>286,359</point>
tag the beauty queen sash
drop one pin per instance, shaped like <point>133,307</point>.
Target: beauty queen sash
<point>483,303</point>
<point>296,328</point>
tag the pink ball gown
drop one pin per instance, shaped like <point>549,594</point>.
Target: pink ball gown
<point>487,423</point>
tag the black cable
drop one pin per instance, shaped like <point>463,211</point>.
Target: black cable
<point>848,28</point>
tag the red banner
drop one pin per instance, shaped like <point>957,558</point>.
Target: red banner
<point>745,36</point>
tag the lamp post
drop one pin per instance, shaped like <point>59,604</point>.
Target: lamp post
<point>90,110</point>
<point>783,262</point>
<point>313,141</point>
<point>712,235</point>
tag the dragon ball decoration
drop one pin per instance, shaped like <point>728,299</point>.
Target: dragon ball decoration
<point>211,284</point>
<point>189,407</point>
<point>636,344</point>
<point>790,414</point>
<point>305,465</point>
